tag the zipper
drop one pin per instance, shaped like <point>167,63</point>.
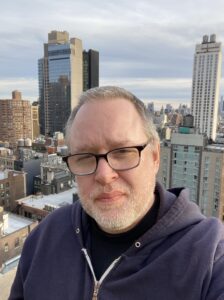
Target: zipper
<point>96,290</point>
<point>97,283</point>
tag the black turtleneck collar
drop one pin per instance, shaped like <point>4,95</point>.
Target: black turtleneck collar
<point>106,247</point>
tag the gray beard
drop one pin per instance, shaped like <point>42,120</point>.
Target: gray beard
<point>132,211</point>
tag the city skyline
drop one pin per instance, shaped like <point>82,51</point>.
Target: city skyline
<point>144,47</point>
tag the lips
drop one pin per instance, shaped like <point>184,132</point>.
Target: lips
<point>109,197</point>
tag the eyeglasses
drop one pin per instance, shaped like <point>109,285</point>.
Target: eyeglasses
<point>119,159</point>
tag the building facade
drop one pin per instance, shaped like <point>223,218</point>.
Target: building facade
<point>186,152</point>
<point>12,187</point>
<point>211,193</point>
<point>7,159</point>
<point>16,120</point>
<point>189,161</point>
<point>35,120</point>
<point>60,74</point>
<point>14,230</point>
<point>54,176</point>
<point>206,85</point>
<point>90,69</point>
<point>29,163</point>
<point>38,207</point>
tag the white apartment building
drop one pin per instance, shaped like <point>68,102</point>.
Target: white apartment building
<point>206,85</point>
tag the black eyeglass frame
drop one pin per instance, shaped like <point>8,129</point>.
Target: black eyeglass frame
<point>140,148</point>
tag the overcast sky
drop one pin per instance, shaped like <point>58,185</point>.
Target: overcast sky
<point>145,46</point>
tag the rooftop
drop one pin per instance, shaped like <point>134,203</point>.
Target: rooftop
<point>5,174</point>
<point>15,223</point>
<point>56,200</point>
<point>216,147</point>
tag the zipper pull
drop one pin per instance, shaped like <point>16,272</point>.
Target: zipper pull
<point>96,290</point>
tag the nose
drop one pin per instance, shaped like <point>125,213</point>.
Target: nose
<point>104,173</point>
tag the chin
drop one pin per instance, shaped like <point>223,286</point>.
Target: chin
<point>115,221</point>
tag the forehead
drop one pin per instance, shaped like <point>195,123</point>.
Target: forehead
<point>106,123</point>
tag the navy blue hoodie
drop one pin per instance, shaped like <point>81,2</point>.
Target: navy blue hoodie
<point>180,257</point>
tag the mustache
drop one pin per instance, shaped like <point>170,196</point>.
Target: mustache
<point>107,189</point>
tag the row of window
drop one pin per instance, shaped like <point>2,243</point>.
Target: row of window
<point>17,243</point>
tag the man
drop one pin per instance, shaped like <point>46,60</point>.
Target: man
<point>127,238</point>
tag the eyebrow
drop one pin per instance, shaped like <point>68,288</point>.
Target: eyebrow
<point>88,148</point>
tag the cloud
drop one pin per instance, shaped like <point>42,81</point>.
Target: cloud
<point>27,86</point>
<point>148,89</point>
<point>144,45</point>
<point>151,89</point>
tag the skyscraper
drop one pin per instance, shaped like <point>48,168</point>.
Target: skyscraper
<point>90,69</point>
<point>60,74</point>
<point>15,120</point>
<point>205,85</point>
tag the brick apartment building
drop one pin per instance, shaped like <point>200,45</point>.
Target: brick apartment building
<point>6,159</point>
<point>14,230</point>
<point>12,187</point>
<point>16,119</point>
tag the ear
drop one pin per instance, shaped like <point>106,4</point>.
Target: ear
<point>156,156</point>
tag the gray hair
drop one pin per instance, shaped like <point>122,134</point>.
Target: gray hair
<point>113,92</point>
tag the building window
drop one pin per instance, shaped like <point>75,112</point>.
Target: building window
<point>6,247</point>
<point>16,242</point>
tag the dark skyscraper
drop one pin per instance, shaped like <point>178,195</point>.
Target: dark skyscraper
<point>90,69</point>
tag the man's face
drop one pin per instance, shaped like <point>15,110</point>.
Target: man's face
<point>117,200</point>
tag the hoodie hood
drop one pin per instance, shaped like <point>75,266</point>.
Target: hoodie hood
<point>176,210</point>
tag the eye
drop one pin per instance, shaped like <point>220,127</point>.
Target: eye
<point>82,157</point>
<point>123,152</point>
<point>126,150</point>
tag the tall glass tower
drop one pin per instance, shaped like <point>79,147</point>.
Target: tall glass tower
<point>60,74</point>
